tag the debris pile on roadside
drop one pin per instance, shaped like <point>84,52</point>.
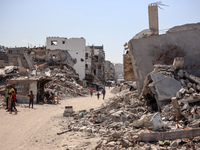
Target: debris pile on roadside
<point>8,71</point>
<point>128,85</point>
<point>64,81</point>
<point>168,81</point>
<point>2,100</point>
<point>126,122</point>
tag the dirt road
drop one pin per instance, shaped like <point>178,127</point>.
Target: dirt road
<point>36,129</point>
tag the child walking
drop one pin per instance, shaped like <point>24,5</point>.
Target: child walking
<point>98,95</point>
<point>31,96</point>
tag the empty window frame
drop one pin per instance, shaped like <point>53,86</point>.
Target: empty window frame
<point>54,42</point>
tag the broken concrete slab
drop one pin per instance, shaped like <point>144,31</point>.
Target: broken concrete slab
<point>161,136</point>
<point>166,87</point>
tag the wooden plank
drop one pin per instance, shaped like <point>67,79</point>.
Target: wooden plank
<point>161,136</point>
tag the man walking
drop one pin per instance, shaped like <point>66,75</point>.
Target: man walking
<point>104,92</point>
<point>31,96</point>
<point>91,91</point>
<point>7,95</point>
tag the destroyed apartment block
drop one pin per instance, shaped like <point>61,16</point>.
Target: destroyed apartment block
<point>53,56</point>
<point>19,57</point>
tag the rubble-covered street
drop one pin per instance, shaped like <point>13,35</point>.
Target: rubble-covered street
<point>100,75</point>
<point>37,128</point>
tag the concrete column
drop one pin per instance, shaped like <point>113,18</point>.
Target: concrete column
<point>153,18</point>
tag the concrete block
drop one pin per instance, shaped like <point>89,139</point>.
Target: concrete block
<point>157,122</point>
<point>22,71</point>
<point>178,62</point>
<point>166,87</point>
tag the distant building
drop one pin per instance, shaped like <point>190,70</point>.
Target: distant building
<point>76,48</point>
<point>98,62</point>
<point>119,70</point>
<point>109,71</point>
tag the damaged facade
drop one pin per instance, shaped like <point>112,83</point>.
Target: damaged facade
<point>19,57</point>
<point>99,63</point>
<point>74,46</point>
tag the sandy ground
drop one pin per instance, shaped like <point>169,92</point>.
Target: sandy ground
<point>36,129</point>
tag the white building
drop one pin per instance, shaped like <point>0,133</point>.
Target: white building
<point>75,47</point>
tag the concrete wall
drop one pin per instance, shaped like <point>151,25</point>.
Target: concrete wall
<point>162,49</point>
<point>23,89</point>
<point>153,17</point>
<point>128,68</point>
<point>75,47</point>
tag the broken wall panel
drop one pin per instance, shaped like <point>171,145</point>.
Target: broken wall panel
<point>162,49</point>
<point>24,86</point>
<point>128,68</point>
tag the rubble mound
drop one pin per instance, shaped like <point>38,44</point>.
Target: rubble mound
<point>64,82</point>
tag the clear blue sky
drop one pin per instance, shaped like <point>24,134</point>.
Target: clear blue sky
<point>107,22</point>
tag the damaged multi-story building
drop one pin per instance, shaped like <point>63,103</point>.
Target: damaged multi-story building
<point>98,63</point>
<point>74,46</point>
<point>19,57</point>
<point>89,60</point>
<point>89,65</point>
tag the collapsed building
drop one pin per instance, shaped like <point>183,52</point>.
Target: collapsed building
<point>33,71</point>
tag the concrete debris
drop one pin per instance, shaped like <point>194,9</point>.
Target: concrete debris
<point>166,81</point>
<point>64,81</point>
<point>8,71</point>
<point>126,122</point>
<point>125,87</point>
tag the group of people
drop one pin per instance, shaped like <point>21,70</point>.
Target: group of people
<point>98,93</point>
<point>50,97</point>
<point>11,98</point>
<point>46,97</point>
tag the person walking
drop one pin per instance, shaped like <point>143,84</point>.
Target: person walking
<point>31,96</point>
<point>12,97</point>
<point>91,91</point>
<point>7,95</point>
<point>98,95</point>
<point>104,92</point>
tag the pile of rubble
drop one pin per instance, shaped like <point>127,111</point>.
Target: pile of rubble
<point>169,81</point>
<point>64,82</point>
<point>8,71</point>
<point>126,122</point>
<point>128,85</point>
